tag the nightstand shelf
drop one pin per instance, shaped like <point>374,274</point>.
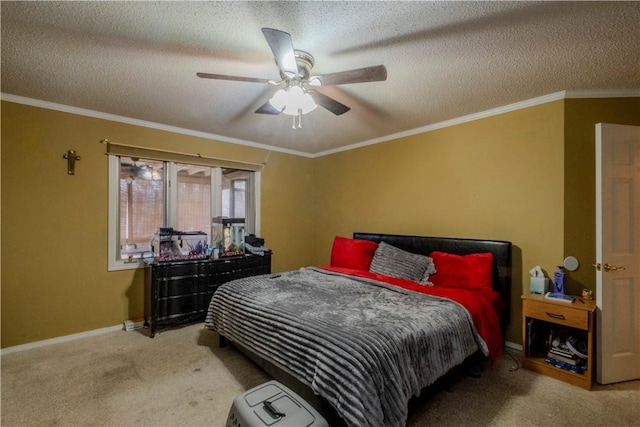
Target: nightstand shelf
<point>578,316</point>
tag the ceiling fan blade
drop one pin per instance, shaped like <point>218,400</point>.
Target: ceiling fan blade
<point>234,78</point>
<point>283,52</point>
<point>267,108</point>
<point>329,103</point>
<point>376,73</point>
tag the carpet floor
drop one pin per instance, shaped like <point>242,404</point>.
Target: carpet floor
<point>182,378</point>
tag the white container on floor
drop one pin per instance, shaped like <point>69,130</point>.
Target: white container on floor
<point>272,404</point>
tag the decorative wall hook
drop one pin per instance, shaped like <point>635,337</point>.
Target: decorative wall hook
<point>71,161</point>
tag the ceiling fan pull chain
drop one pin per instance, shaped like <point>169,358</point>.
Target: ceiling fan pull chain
<point>297,125</point>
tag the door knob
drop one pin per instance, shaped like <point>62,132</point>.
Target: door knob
<point>608,267</point>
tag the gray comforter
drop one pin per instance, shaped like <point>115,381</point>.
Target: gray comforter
<point>364,346</point>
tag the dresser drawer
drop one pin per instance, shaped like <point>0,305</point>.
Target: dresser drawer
<point>180,292</point>
<point>165,270</point>
<point>256,261</point>
<point>557,313</point>
<point>224,265</point>
<point>179,286</point>
<point>185,305</point>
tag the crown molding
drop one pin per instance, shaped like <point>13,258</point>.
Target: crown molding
<point>632,93</point>
<point>143,123</point>
<point>568,94</point>
<point>625,93</point>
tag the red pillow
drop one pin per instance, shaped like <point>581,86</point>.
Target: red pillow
<point>473,271</point>
<point>352,253</point>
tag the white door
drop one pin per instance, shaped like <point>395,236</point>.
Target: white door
<point>617,252</point>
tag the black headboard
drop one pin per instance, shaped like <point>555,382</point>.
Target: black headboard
<point>501,251</point>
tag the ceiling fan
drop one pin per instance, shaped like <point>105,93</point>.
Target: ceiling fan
<point>145,171</point>
<point>296,98</point>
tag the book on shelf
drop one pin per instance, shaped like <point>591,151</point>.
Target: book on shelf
<point>560,297</point>
<point>570,359</point>
<point>562,351</point>
<point>566,366</point>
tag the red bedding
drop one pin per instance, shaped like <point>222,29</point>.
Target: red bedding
<point>485,306</point>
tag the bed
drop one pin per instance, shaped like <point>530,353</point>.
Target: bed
<point>387,318</point>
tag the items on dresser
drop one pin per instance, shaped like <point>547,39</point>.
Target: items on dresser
<point>172,245</point>
<point>227,236</point>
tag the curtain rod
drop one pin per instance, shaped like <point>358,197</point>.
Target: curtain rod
<point>231,163</point>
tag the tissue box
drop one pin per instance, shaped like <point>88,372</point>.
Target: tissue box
<point>539,285</point>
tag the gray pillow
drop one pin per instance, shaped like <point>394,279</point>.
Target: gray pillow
<point>395,262</point>
<point>431,269</point>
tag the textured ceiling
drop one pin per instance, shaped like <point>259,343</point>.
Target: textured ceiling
<point>444,60</point>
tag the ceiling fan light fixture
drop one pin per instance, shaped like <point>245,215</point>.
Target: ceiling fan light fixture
<point>293,100</point>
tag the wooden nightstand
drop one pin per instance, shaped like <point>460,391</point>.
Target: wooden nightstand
<point>577,317</point>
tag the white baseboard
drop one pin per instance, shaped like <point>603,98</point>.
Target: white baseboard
<point>58,340</point>
<point>513,345</point>
<point>95,332</point>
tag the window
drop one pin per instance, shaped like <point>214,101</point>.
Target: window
<point>234,193</point>
<point>141,205</point>
<point>194,198</point>
<point>147,194</point>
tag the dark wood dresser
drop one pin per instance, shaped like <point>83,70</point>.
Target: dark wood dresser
<point>179,292</point>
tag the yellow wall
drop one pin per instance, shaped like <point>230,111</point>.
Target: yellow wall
<point>54,226</point>
<point>581,116</point>
<point>525,176</point>
<point>495,178</point>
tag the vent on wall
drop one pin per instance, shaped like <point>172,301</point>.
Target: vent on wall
<point>132,325</point>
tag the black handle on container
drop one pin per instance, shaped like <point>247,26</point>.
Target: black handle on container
<point>271,410</point>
